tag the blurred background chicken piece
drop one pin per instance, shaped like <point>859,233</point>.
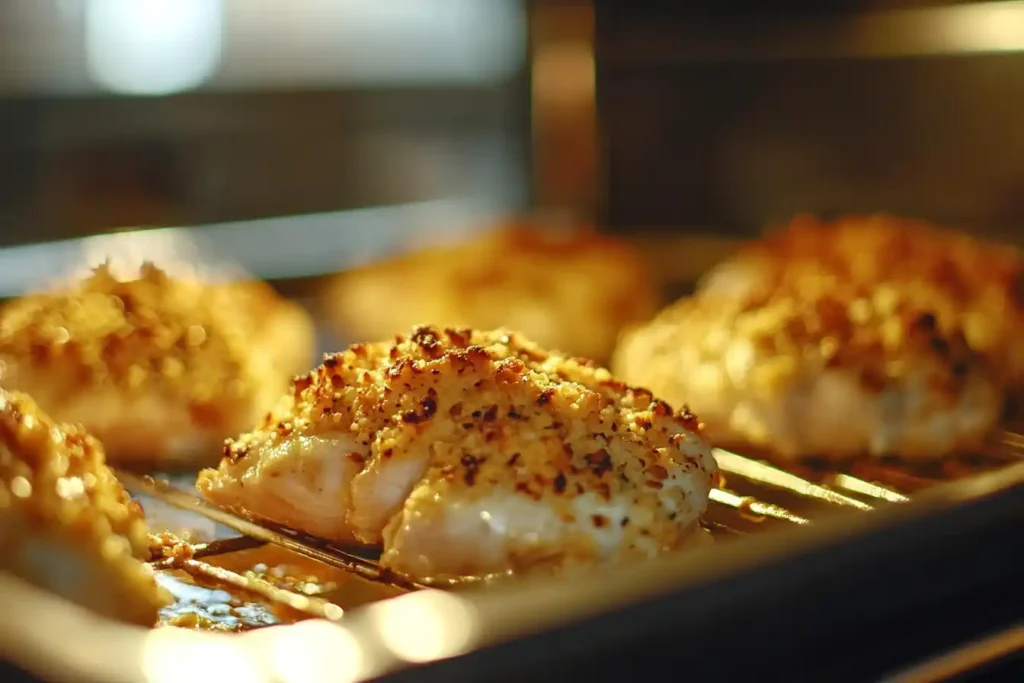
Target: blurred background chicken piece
<point>161,369</point>
<point>66,523</point>
<point>570,289</point>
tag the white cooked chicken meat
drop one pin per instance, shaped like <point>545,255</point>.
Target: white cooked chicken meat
<point>468,454</point>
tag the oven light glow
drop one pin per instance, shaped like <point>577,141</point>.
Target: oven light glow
<point>152,47</point>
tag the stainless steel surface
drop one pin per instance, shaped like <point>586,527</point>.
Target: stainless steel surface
<point>80,47</point>
<point>271,248</point>
<point>964,658</point>
<point>692,599</point>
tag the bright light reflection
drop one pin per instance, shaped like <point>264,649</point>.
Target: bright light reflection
<point>315,651</point>
<point>175,251</point>
<point>152,47</point>
<point>424,626</point>
<point>170,655</point>
<point>988,27</point>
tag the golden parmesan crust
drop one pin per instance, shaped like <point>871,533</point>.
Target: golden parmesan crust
<point>570,291</point>
<point>201,359</point>
<point>876,336</point>
<point>494,412</point>
<point>56,490</point>
<point>967,283</point>
<point>373,386</point>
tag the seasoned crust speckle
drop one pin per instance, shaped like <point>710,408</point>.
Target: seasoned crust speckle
<point>565,289</point>
<point>875,336</point>
<point>372,386</point>
<point>58,496</point>
<point>200,360</point>
<point>968,284</point>
<point>493,412</point>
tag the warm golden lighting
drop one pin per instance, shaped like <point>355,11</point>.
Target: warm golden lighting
<point>173,250</point>
<point>753,508</point>
<point>314,651</point>
<point>311,651</point>
<point>564,74</point>
<point>766,474</point>
<point>173,654</point>
<point>857,485</point>
<point>425,626</point>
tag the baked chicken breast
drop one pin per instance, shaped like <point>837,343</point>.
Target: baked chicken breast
<point>469,453</point>
<point>160,369</point>
<point>66,524</point>
<point>872,336</point>
<point>568,289</point>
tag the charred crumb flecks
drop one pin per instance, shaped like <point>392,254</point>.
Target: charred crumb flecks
<point>968,286</point>
<point>489,411</point>
<point>878,335</point>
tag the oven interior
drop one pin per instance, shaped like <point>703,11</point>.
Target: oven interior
<point>684,130</point>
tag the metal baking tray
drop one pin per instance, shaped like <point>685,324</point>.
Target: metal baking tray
<point>838,592</point>
<point>248,575</point>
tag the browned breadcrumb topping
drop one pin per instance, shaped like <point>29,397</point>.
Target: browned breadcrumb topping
<point>494,410</point>
<point>566,289</point>
<point>189,340</point>
<point>973,288</point>
<point>883,248</point>
<point>344,390</point>
<point>876,334</point>
<point>54,483</point>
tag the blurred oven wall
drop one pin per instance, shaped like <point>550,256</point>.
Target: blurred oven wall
<point>117,113</point>
<point>712,119</point>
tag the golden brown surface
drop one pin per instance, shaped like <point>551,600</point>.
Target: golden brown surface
<point>869,336</point>
<point>66,523</point>
<point>968,284</point>
<point>418,442</point>
<point>568,290</point>
<point>155,367</point>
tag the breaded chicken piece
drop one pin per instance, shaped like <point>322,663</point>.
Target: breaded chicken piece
<point>566,289</point>
<point>160,369</point>
<point>470,453</point>
<point>967,283</point>
<point>809,347</point>
<point>66,524</point>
